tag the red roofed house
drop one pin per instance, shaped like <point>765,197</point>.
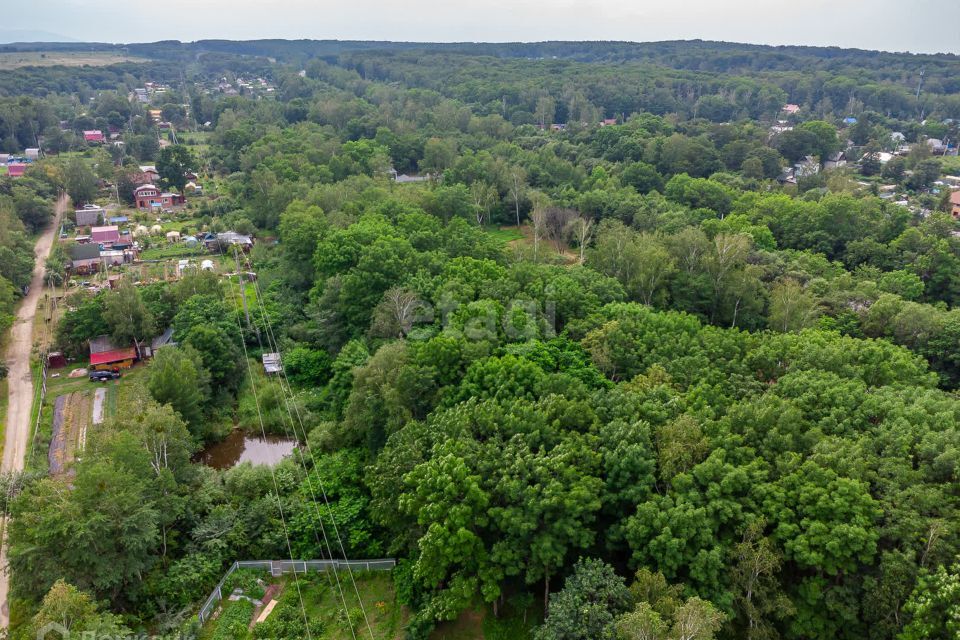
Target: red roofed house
<point>94,135</point>
<point>105,355</point>
<point>106,236</point>
<point>148,196</point>
<point>955,204</point>
<point>16,170</point>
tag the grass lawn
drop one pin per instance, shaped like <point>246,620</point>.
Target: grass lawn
<point>506,234</point>
<point>173,251</point>
<point>118,391</point>
<point>324,606</point>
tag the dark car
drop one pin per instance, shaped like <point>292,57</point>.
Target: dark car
<point>103,376</point>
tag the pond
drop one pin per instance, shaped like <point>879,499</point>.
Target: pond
<point>244,447</point>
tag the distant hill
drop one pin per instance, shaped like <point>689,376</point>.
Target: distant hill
<point>32,36</point>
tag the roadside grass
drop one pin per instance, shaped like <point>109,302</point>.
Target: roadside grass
<point>4,400</point>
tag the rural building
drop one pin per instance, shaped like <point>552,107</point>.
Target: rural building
<point>32,153</point>
<point>148,197</point>
<point>213,242</point>
<point>16,170</point>
<point>89,216</point>
<point>112,257</point>
<point>84,258</point>
<point>791,109</point>
<point>56,360</point>
<point>119,220</point>
<point>150,172</point>
<point>955,204</point>
<point>163,340</point>
<point>106,236</point>
<point>93,135</point>
<point>271,363</point>
<point>106,355</point>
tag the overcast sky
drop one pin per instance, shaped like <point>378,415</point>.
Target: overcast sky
<point>890,25</point>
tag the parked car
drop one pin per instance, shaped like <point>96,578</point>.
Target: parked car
<point>104,376</point>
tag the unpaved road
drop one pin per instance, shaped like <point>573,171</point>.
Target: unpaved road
<point>21,387</point>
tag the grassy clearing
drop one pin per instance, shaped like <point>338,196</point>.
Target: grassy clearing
<point>173,251</point>
<point>324,608</point>
<point>15,59</point>
<point>506,235</point>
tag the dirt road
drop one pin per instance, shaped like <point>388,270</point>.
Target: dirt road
<point>21,387</point>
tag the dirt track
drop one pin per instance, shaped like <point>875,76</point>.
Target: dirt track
<point>21,387</point>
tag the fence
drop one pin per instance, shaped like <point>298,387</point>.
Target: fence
<point>280,567</point>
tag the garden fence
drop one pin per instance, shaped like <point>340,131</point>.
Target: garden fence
<point>280,567</point>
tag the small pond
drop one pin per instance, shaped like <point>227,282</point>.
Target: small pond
<point>245,447</point>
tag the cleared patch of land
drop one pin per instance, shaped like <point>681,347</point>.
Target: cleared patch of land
<point>15,59</point>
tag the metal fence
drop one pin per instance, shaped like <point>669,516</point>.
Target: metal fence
<point>281,567</point>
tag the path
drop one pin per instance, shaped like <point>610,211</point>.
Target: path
<point>21,387</point>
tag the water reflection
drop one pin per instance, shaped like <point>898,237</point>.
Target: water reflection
<point>243,447</point>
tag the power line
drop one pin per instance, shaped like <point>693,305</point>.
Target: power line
<point>285,387</point>
<point>313,497</point>
<point>273,475</point>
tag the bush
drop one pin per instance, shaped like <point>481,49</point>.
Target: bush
<point>234,621</point>
<point>247,580</point>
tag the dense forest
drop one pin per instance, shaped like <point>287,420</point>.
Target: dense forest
<point>620,381</point>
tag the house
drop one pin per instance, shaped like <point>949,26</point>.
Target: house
<point>84,258</point>
<point>117,220</point>
<point>89,216</point>
<point>807,167</point>
<point>32,154</point>
<point>608,122</point>
<point>93,135</point>
<point>104,354</point>
<point>271,363</point>
<point>163,340</point>
<point>155,114</point>
<point>936,145</point>
<point>791,109</point>
<point>16,170</point>
<point>955,204</point>
<point>835,161</point>
<point>147,196</point>
<point>150,172</point>
<point>112,257</point>
<point>105,236</point>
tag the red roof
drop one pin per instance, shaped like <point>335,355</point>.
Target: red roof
<point>105,234</point>
<point>16,170</point>
<point>94,135</point>
<point>955,197</point>
<point>116,355</point>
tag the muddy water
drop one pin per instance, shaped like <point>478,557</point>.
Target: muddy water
<point>242,447</point>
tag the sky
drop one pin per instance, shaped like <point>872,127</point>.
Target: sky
<point>927,26</point>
